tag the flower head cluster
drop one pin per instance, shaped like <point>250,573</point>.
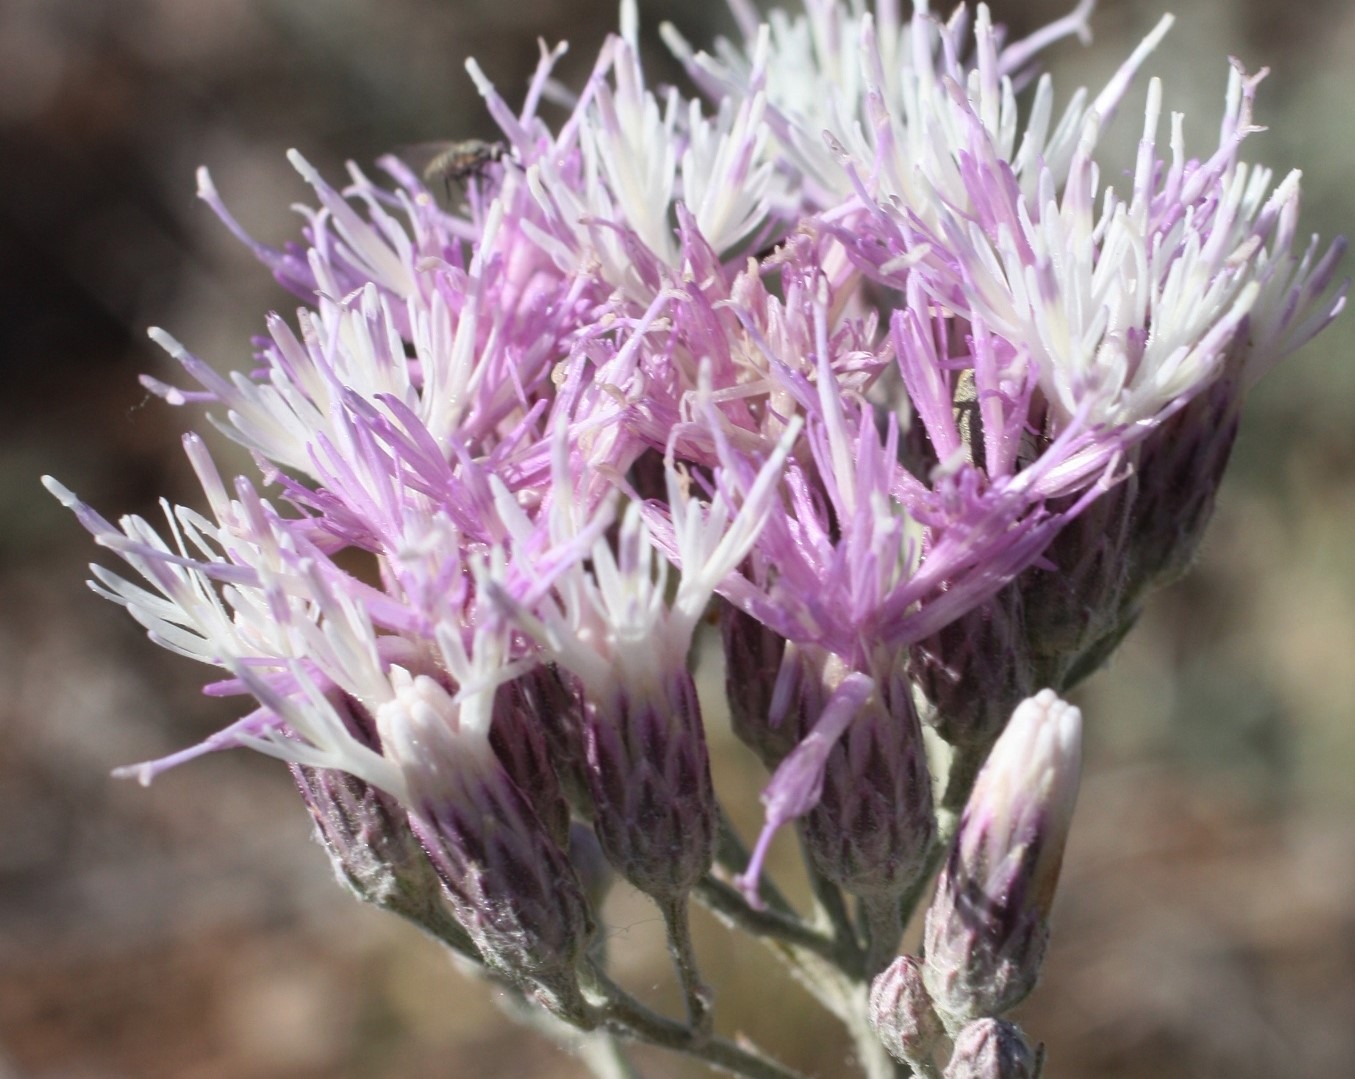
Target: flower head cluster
<point>854,345</point>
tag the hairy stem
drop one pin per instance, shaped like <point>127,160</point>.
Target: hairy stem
<point>698,996</point>
<point>884,929</point>
<point>964,770</point>
<point>622,1013</point>
<point>604,1056</point>
<point>599,1050</point>
<point>728,904</point>
<point>875,1061</point>
<point>833,908</point>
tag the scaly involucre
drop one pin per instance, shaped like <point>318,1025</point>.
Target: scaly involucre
<point>863,350</point>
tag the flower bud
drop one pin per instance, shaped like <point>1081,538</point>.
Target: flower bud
<point>511,887</point>
<point>549,699</point>
<point>991,1049</point>
<point>901,1013</point>
<point>872,826</point>
<point>649,777</point>
<point>873,823</point>
<point>590,863</point>
<point>988,924</point>
<point>366,834</point>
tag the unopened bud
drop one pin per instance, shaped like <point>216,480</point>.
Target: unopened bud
<point>366,834</point>
<point>1180,467</point>
<point>991,1049</point>
<point>988,924</point>
<point>874,823</point>
<point>590,863</point>
<point>549,699</point>
<point>511,887</point>
<point>902,1014</point>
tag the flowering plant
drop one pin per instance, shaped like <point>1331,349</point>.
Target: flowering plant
<point>857,356</point>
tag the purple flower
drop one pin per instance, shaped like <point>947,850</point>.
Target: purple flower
<point>863,349</point>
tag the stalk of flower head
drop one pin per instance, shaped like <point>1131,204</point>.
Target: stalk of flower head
<point>988,924</point>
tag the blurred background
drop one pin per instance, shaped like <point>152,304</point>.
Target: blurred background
<point>1206,922</point>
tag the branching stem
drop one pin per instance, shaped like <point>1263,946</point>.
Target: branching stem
<point>727,903</point>
<point>625,1015</point>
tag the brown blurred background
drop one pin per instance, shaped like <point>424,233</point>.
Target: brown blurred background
<point>1206,924</point>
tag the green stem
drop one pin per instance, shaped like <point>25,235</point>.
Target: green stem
<point>728,904</point>
<point>828,898</point>
<point>599,1050</point>
<point>884,930</point>
<point>624,1014</point>
<point>698,995</point>
<point>435,920</point>
<point>603,1055</point>
<point>964,770</point>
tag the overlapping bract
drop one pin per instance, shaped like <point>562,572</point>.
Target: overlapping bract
<point>853,346</point>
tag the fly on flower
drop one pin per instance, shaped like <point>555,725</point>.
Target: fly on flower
<point>930,446</point>
<point>457,161</point>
